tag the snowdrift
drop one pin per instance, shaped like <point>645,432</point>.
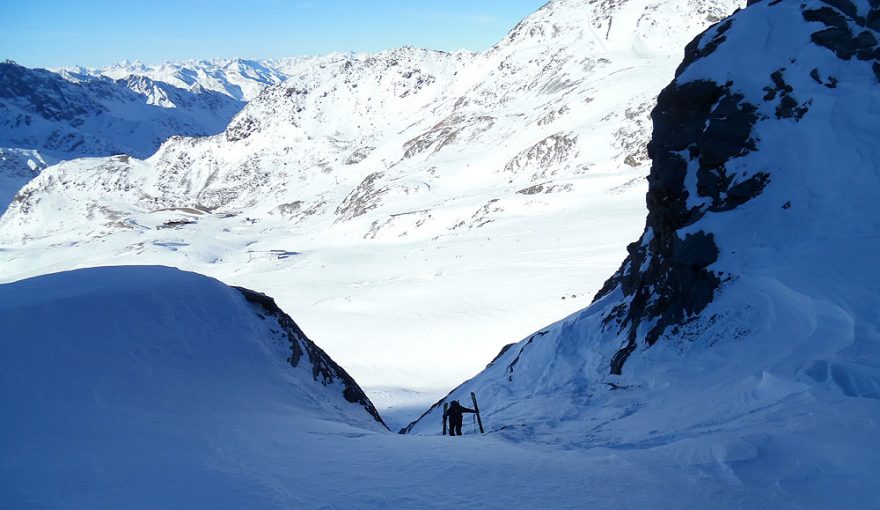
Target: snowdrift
<point>741,333</point>
<point>119,381</point>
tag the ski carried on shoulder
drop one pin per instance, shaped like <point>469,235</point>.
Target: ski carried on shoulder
<point>477,412</point>
<point>445,410</point>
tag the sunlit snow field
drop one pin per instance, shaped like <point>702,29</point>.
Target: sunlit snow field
<point>408,319</point>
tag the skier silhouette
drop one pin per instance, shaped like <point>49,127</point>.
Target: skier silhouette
<point>454,415</point>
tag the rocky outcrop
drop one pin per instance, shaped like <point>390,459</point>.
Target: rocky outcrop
<point>324,369</point>
<point>359,155</point>
<point>701,127</point>
<point>365,197</point>
<point>552,151</point>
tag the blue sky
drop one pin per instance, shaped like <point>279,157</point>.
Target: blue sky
<point>51,33</point>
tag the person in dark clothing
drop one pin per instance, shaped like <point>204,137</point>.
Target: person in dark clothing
<point>455,414</point>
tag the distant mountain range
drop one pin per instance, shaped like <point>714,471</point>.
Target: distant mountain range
<point>46,117</point>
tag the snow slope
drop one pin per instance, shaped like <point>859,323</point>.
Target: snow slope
<point>428,196</point>
<point>148,387</point>
<point>122,378</point>
<point>741,333</point>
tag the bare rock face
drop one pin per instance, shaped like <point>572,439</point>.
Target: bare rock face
<point>701,127</point>
<point>367,196</point>
<point>359,155</point>
<point>451,130</point>
<point>665,275</point>
<point>324,369</point>
<point>553,150</point>
<point>241,128</point>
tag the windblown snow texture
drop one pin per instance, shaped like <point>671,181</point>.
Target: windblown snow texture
<point>745,318</point>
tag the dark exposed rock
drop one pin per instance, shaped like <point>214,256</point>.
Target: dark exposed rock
<point>176,224</point>
<point>845,6</point>
<point>743,191</point>
<point>838,40</point>
<point>553,150</point>
<point>532,190</point>
<point>696,49</point>
<point>838,37</point>
<point>241,128</point>
<point>365,197</point>
<point>700,126</point>
<point>828,16</point>
<point>728,132</point>
<point>788,107</point>
<point>453,129</point>
<point>500,353</point>
<point>866,43</point>
<point>359,155</point>
<point>545,188</point>
<point>324,369</point>
<point>873,19</point>
<point>831,83</point>
<point>665,278</point>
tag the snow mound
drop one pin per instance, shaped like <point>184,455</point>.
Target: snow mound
<point>127,377</point>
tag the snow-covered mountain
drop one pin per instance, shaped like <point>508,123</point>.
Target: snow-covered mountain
<point>45,118</point>
<point>17,168</point>
<point>238,78</point>
<point>732,361</point>
<point>742,329</point>
<point>401,201</point>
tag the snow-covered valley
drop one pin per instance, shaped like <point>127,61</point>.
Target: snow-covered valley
<point>415,212</point>
<point>145,387</point>
<point>428,196</point>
